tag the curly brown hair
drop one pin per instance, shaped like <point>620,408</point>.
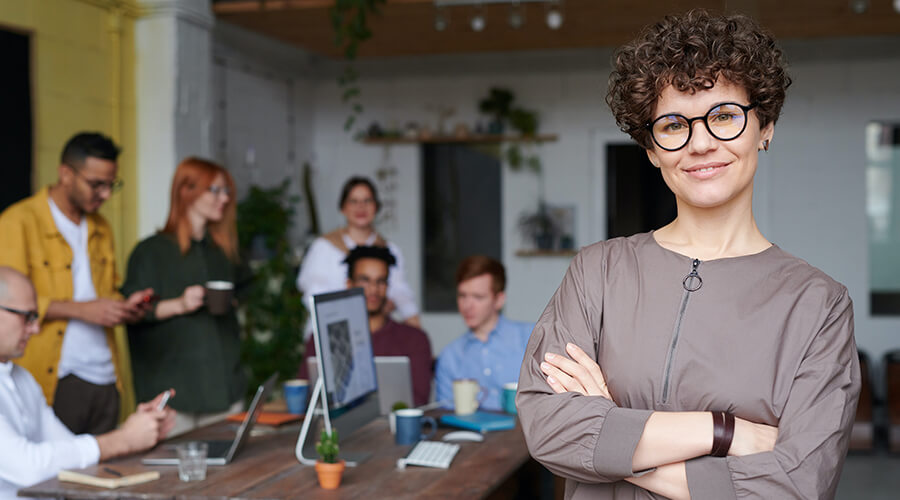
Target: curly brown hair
<point>690,52</point>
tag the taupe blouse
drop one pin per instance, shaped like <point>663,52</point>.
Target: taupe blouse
<point>767,337</point>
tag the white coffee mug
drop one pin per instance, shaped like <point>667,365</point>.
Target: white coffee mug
<point>466,396</point>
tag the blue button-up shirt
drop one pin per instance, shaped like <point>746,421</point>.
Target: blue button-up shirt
<point>492,363</point>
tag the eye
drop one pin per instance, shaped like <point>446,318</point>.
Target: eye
<point>672,126</point>
<point>723,116</point>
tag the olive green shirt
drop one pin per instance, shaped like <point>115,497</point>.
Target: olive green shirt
<point>197,354</point>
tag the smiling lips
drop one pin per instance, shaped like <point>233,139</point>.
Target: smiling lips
<point>706,170</point>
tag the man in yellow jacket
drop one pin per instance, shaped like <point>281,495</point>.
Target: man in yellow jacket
<point>57,239</point>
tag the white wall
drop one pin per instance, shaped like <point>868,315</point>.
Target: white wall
<point>810,190</point>
<point>810,193</point>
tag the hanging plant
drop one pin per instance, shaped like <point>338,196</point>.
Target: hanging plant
<point>349,18</point>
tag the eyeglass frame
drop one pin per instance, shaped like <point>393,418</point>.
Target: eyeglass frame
<point>705,119</point>
<point>96,185</point>
<point>30,316</point>
<point>219,190</point>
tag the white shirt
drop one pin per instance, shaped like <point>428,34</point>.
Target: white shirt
<point>34,444</point>
<point>323,270</point>
<point>85,351</point>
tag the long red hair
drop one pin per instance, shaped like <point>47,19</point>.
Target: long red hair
<point>192,179</point>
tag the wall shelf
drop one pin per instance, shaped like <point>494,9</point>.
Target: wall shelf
<point>546,253</point>
<point>450,139</point>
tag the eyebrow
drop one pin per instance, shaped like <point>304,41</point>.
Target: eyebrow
<point>679,113</point>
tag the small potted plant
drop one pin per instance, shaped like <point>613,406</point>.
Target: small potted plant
<point>328,467</point>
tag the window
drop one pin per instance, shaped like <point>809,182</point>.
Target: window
<point>883,211</point>
<point>462,202</point>
<point>637,198</point>
<point>15,127</point>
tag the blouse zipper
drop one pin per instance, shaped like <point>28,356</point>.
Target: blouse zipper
<point>691,283</point>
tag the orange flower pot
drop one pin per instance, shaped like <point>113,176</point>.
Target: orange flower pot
<point>330,474</point>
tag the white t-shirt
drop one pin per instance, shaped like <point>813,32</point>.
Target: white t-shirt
<point>85,352</point>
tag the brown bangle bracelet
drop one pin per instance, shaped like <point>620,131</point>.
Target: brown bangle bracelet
<point>723,433</point>
<point>729,433</point>
<point>718,432</point>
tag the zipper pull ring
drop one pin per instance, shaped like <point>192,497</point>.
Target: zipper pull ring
<point>692,282</point>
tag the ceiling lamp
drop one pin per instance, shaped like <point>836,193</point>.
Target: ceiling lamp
<point>554,15</point>
<point>516,15</point>
<point>441,19</point>
<point>478,21</point>
<point>515,19</point>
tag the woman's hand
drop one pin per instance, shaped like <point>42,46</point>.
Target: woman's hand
<point>192,298</point>
<point>580,374</point>
<point>750,438</point>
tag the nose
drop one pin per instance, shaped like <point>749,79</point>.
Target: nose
<point>701,140</point>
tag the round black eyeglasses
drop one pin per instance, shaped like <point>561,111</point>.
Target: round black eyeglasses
<point>725,122</point>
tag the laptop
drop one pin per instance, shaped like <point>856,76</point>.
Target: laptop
<point>394,377</point>
<point>222,452</point>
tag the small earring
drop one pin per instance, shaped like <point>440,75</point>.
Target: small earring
<point>766,145</point>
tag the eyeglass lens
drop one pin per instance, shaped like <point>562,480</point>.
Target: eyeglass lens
<point>30,316</point>
<point>725,122</point>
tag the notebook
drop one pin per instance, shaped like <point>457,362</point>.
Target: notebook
<point>480,421</point>
<point>103,477</point>
<point>221,452</point>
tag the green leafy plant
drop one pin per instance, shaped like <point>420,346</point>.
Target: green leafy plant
<point>399,405</point>
<point>272,315</point>
<point>349,19</point>
<point>327,447</point>
<point>498,103</point>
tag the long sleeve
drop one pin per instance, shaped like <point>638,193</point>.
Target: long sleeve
<point>320,271</point>
<point>443,378</point>
<point>142,272</point>
<point>14,254</point>
<point>399,290</point>
<point>33,456</point>
<point>586,438</point>
<point>814,429</point>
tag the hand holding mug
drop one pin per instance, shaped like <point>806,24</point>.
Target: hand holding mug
<point>192,298</point>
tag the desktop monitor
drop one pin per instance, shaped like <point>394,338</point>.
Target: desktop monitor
<point>346,368</point>
<point>344,346</point>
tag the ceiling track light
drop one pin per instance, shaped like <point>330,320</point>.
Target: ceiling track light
<point>478,21</point>
<point>554,16</point>
<point>441,19</point>
<point>515,18</point>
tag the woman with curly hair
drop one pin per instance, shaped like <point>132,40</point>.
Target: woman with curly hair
<point>698,360</point>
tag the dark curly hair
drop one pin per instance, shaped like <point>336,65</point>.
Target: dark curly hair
<point>690,52</point>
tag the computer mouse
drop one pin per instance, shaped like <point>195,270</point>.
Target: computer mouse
<point>464,436</point>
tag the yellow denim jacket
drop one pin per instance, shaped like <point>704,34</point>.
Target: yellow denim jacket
<point>34,246</point>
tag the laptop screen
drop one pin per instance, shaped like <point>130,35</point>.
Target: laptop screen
<point>344,346</point>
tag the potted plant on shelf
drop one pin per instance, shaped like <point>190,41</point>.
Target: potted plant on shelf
<point>497,104</point>
<point>539,228</point>
<point>328,468</point>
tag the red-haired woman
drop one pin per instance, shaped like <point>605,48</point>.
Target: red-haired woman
<point>179,343</point>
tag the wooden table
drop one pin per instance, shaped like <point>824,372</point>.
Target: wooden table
<point>267,468</point>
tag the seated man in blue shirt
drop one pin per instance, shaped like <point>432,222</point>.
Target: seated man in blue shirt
<point>491,351</point>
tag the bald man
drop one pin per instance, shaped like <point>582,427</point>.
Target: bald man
<point>35,444</point>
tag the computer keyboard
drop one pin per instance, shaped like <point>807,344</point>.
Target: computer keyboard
<point>430,454</point>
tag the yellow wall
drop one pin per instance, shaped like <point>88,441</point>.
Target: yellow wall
<point>83,65</point>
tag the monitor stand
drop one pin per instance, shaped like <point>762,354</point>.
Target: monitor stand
<point>346,424</point>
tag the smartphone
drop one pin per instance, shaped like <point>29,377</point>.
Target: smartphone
<point>164,401</point>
